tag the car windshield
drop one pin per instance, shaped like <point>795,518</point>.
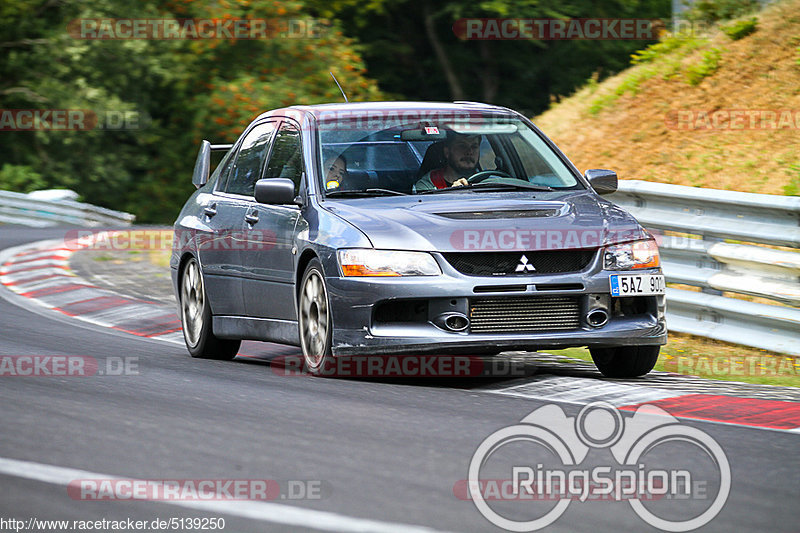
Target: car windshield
<point>362,156</point>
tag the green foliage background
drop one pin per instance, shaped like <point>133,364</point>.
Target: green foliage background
<point>184,91</point>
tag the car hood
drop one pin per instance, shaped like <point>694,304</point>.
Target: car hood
<point>489,221</point>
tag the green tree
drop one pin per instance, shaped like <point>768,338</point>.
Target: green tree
<point>180,91</point>
<point>412,50</point>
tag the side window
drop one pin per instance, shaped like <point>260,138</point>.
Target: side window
<point>286,160</point>
<point>222,170</point>
<point>247,169</point>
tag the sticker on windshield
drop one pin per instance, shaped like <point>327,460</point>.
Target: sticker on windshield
<point>431,130</point>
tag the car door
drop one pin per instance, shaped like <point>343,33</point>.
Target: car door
<point>268,257</point>
<point>221,252</point>
<point>218,219</point>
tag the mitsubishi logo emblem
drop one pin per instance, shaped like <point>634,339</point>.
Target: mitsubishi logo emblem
<point>524,266</point>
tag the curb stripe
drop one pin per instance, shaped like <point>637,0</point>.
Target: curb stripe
<point>773,414</point>
<point>41,258</point>
<point>586,390</point>
<point>94,305</point>
<point>26,281</point>
<point>38,293</point>
<point>39,267</point>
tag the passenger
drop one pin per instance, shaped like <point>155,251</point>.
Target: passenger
<point>461,153</point>
<point>335,171</point>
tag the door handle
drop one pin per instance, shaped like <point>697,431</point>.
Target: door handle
<point>251,218</point>
<point>210,210</point>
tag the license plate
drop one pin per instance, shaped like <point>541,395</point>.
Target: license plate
<point>637,284</point>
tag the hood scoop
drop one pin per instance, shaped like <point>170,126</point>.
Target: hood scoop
<point>502,214</point>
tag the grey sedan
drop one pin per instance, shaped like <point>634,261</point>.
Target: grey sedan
<point>412,228</point>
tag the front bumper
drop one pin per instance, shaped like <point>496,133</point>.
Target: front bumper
<point>354,302</point>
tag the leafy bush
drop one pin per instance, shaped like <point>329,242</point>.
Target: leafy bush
<point>793,187</point>
<point>656,50</point>
<point>706,67</point>
<point>20,178</point>
<point>718,10</point>
<point>662,59</point>
<point>740,28</point>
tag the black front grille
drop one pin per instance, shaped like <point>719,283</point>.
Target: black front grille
<point>513,264</point>
<point>521,315</point>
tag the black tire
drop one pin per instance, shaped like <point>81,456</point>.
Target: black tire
<point>196,318</point>
<point>625,361</point>
<point>314,320</point>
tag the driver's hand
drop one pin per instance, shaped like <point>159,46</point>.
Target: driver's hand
<point>460,182</point>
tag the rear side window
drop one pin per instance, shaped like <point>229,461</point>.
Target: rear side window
<point>220,175</point>
<point>247,170</point>
<point>286,160</point>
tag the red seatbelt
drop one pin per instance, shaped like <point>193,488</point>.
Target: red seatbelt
<point>437,178</point>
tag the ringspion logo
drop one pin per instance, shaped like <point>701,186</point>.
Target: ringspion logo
<point>674,477</point>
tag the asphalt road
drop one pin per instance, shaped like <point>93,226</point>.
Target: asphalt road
<point>384,451</point>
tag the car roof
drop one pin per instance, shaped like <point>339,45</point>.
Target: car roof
<point>318,110</point>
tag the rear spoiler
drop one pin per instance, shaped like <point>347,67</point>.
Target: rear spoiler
<point>202,166</point>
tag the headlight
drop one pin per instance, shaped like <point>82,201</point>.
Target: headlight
<point>363,262</point>
<point>638,254</point>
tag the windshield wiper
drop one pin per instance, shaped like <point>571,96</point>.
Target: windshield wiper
<point>492,186</point>
<point>356,192</point>
<point>521,185</point>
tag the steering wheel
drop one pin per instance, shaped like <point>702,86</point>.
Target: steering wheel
<point>484,174</point>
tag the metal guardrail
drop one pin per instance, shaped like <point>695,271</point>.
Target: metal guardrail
<point>18,208</point>
<point>702,259</point>
<point>744,216</point>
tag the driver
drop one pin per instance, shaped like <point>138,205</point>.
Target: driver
<point>461,152</point>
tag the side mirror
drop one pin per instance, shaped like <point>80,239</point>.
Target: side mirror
<point>278,191</point>
<point>202,165</point>
<point>602,181</point>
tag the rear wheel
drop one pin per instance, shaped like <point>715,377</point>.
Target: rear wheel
<point>196,318</point>
<point>316,325</point>
<point>625,361</point>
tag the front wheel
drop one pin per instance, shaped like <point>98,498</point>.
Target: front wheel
<point>196,318</point>
<point>316,324</point>
<point>625,361</point>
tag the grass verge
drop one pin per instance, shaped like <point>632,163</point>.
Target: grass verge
<point>710,359</point>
